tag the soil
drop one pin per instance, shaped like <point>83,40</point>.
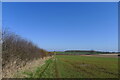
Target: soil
<point>104,55</point>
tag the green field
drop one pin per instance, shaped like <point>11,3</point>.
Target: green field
<point>79,53</point>
<point>73,66</point>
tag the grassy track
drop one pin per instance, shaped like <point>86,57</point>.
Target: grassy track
<point>71,66</point>
<point>56,69</point>
<point>46,71</point>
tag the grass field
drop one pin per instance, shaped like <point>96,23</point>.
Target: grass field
<point>79,53</point>
<point>87,67</point>
<point>73,66</point>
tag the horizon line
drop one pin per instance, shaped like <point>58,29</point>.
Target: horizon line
<point>84,50</point>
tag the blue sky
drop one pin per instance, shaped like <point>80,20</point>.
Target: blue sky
<point>64,26</point>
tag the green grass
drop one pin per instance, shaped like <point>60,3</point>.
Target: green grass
<point>87,67</point>
<point>46,71</point>
<point>73,66</point>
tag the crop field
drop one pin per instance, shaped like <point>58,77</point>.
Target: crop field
<point>75,66</point>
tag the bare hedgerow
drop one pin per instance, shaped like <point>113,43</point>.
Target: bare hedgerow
<point>16,48</point>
